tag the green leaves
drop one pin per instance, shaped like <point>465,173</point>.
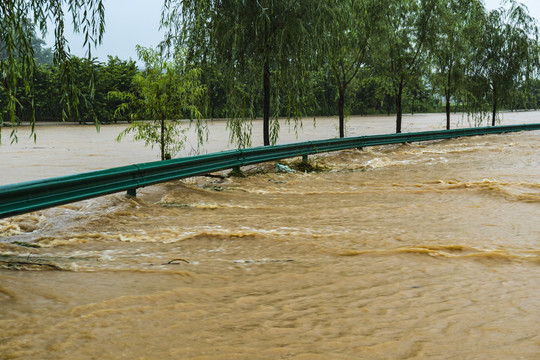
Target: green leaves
<point>261,49</point>
<point>458,28</point>
<point>268,58</point>
<point>164,93</point>
<point>402,54</point>
<point>345,37</point>
<point>506,56</point>
<point>20,20</point>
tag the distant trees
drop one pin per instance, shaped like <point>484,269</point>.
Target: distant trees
<point>90,84</point>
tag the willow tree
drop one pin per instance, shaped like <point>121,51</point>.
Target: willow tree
<point>458,31</point>
<point>507,55</point>
<point>345,37</point>
<point>403,42</point>
<point>260,47</point>
<point>19,21</point>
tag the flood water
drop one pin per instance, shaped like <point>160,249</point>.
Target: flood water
<point>410,251</point>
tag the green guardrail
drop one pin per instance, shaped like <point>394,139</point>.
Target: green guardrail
<point>20,198</point>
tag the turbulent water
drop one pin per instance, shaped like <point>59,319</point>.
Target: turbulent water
<point>427,250</point>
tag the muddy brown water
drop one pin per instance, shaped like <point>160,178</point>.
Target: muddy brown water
<point>428,250</point>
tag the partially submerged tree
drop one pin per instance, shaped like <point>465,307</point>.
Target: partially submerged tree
<point>507,55</point>
<point>458,31</point>
<point>345,36</point>
<point>260,47</point>
<point>166,93</point>
<point>408,28</point>
<point>20,20</point>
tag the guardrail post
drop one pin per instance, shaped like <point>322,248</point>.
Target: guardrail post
<point>305,159</point>
<point>132,192</point>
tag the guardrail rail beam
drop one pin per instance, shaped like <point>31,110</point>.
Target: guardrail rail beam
<point>16,199</point>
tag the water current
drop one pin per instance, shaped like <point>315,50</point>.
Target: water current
<point>410,251</point>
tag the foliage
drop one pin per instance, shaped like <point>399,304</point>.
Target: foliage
<point>166,92</point>
<point>506,57</point>
<point>458,32</point>
<point>94,103</point>
<point>345,36</point>
<point>271,59</point>
<point>261,48</point>
<point>20,19</point>
<point>402,55</point>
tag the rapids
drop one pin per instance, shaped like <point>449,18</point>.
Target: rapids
<point>425,250</point>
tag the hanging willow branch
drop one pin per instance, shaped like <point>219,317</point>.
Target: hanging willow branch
<point>20,21</point>
<point>259,50</point>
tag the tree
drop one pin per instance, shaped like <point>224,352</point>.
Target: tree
<point>114,75</point>
<point>345,34</point>
<point>20,20</point>
<point>94,102</point>
<point>260,47</point>
<point>403,43</point>
<point>42,54</point>
<point>507,56</point>
<point>167,92</point>
<point>457,33</point>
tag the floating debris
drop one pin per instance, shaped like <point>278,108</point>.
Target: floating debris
<point>27,265</point>
<point>284,169</point>
<point>176,262</point>
<point>262,261</point>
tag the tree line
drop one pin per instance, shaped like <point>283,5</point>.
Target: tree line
<point>369,95</point>
<point>266,53</point>
<point>90,83</point>
<point>286,58</point>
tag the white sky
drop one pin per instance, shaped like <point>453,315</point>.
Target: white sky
<point>533,5</point>
<point>127,23</point>
<point>132,22</point>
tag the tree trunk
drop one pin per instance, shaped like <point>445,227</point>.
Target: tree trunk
<point>341,109</point>
<point>399,110</point>
<point>447,110</point>
<point>266,101</point>
<point>494,106</point>
<point>162,143</point>
<point>447,94</point>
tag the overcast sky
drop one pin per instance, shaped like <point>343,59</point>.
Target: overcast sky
<point>127,23</point>
<point>132,22</point>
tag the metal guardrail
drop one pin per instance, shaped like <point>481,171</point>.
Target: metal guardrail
<point>20,198</point>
